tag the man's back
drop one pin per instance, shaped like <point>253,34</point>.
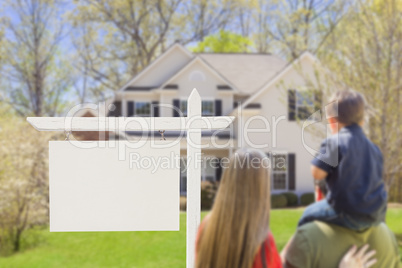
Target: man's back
<point>319,244</point>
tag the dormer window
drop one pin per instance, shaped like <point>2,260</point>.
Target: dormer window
<point>223,87</point>
<point>197,76</point>
<point>171,86</point>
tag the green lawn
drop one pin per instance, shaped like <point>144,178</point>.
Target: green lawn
<point>138,249</point>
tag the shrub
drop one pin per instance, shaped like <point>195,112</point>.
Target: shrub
<point>278,201</point>
<point>292,199</point>
<point>208,192</point>
<point>23,181</point>
<point>307,199</point>
<point>183,203</point>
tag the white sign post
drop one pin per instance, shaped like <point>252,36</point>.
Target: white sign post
<point>193,124</point>
<point>193,176</point>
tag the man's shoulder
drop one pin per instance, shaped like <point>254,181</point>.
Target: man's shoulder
<point>320,244</point>
<point>318,234</point>
<point>317,231</point>
<point>328,229</point>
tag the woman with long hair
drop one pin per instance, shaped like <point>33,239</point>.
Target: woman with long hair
<point>237,227</point>
<point>235,234</point>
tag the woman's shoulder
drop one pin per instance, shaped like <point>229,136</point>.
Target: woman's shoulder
<point>271,240</point>
<point>204,222</point>
<point>268,255</point>
<point>201,228</point>
<point>275,257</point>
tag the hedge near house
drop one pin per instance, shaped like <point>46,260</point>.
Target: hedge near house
<point>208,193</point>
<point>183,203</point>
<point>292,199</point>
<point>307,199</point>
<point>278,201</point>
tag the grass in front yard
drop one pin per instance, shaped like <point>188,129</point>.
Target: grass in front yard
<point>394,222</point>
<point>140,249</point>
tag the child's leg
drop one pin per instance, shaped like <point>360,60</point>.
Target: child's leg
<point>320,210</point>
<point>354,223</point>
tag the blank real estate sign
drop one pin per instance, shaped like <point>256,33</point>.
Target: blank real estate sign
<point>94,189</point>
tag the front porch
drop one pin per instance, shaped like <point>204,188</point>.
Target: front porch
<point>211,169</point>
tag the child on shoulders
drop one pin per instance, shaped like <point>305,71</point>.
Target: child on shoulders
<point>352,167</point>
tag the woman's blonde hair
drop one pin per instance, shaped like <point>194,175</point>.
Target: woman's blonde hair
<point>239,221</point>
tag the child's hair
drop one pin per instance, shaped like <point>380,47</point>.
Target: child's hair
<point>347,106</point>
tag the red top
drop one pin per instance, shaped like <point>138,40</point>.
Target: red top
<point>271,255</point>
<point>318,194</point>
<point>272,258</point>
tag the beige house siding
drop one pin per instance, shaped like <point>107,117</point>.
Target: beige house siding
<point>277,134</point>
<point>206,88</point>
<point>269,103</point>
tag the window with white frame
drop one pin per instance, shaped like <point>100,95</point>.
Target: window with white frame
<point>142,109</point>
<point>208,108</point>
<point>304,104</point>
<point>279,171</point>
<point>183,107</point>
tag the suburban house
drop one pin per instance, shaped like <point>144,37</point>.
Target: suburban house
<point>269,96</point>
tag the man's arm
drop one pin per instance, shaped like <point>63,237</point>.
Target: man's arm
<point>285,250</point>
<point>297,252</point>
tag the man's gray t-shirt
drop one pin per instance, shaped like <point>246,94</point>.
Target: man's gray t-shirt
<point>318,244</point>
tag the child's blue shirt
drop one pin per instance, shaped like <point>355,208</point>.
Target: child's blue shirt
<point>354,166</point>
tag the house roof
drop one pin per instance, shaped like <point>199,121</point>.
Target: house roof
<point>247,72</point>
<point>154,62</point>
<point>286,68</point>
<point>208,66</point>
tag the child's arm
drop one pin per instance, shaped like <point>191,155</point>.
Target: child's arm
<point>318,173</point>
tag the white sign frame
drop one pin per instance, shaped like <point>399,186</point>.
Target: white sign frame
<point>193,124</point>
<point>93,190</point>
